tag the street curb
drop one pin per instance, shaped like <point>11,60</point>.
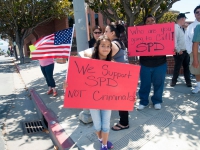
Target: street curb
<point>62,140</point>
<point>57,133</point>
<point>17,67</point>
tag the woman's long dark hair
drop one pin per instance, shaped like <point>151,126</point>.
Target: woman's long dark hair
<point>117,28</point>
<point>148,16</point>
<point>95,54</point>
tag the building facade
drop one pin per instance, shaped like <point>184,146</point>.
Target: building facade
<point>60,24</point>
<point>94,19</point>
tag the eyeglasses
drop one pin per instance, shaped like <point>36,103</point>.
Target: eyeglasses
<point>97,32</point>
<point>197,12</point>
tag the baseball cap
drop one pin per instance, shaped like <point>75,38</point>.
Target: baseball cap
<point>181,15</point>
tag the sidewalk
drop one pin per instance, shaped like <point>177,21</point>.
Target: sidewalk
<point>175,126</point>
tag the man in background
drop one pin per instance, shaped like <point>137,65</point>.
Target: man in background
<point>195,47</point>
<point>188,39</point>
<point>181,57</point>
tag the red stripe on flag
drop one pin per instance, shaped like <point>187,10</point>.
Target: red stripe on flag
<point>44,57</point>
<point>38,42</point>
<point>53,47</point>
<point>50,52</point>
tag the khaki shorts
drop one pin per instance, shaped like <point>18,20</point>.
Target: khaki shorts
<point>195,71</point>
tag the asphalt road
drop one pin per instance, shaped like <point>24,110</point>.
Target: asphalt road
<point>6,92</point>
<point>16,108</point>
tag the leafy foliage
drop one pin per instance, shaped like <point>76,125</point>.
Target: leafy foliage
<point>168,17</point>
<point>132,11</point>
<point>19,17</point>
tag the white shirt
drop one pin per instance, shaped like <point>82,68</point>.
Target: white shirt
<point>189,36</point>
<point>179,38</point>
<point>88,52</point>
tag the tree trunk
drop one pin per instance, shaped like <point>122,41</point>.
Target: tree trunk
<point>21,52</point>
<point>14,48</point>
<point>15,51</point>
<point>131,21</point>
<point>20,44</point>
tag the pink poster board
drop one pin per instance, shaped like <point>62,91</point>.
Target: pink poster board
<point>151,40</point>
<point>96,84</point>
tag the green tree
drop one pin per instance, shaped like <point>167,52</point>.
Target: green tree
<point>21,17</point>
<point>132,11</point>
<point>168,17</point>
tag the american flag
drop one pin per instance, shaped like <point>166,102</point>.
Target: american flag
<point>56,45</point>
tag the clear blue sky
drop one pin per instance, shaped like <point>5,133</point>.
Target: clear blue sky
<point>186,6</point>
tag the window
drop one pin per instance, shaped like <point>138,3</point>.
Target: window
<point>96,17</point>
<point>70,21</point>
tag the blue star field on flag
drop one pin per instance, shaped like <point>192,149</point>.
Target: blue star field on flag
<point>63,36</point>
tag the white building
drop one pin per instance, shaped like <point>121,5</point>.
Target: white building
<point>4,46</point>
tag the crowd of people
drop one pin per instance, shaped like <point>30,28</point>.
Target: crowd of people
<point>109,47</point>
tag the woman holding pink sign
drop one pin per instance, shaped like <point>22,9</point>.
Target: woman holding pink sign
<point>113,32</point>
<point>153,71</point>
<point>101,118</point>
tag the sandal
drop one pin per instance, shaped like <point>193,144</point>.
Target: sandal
<point>120,127</point>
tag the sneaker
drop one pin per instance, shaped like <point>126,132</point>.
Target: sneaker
<point>189,84</point>
<point>109,145</point>
<point>196,90</point>
<point>55,94</point>
<point>157,106</point>
<point>140,107</point>
<point>103,148</point>
<point>49,92</point>
<point>172,84</point>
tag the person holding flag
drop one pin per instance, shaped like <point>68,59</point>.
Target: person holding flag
<point>47,67</point>
<point>56,45</point>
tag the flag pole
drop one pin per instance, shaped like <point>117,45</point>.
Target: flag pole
<point>69,53</point>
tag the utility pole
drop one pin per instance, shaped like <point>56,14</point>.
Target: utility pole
<point>80,25</point>
<point>82,42</point>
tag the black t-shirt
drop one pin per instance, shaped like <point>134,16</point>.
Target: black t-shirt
<point>152,61</point>
<point>91,43</point>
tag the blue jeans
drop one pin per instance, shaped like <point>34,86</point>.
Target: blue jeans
<point>155,76</point>
<point>101,119</point>
<point>48,74</point>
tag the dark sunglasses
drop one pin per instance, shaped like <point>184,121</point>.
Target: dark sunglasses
<point>197,12</point>
<point>97,32</point>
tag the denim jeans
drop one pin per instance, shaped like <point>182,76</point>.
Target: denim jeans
<point>155,76</point>
<point>48,74</point>
<point>101,119</point>
<point>182,60</point>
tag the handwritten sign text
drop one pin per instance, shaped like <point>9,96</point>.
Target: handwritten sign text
<point>151,40</point>
<point>97,84</point>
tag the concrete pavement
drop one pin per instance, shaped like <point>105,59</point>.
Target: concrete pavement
<point>6,96</point>
<point>16,108</point>
<point>175,126</point>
